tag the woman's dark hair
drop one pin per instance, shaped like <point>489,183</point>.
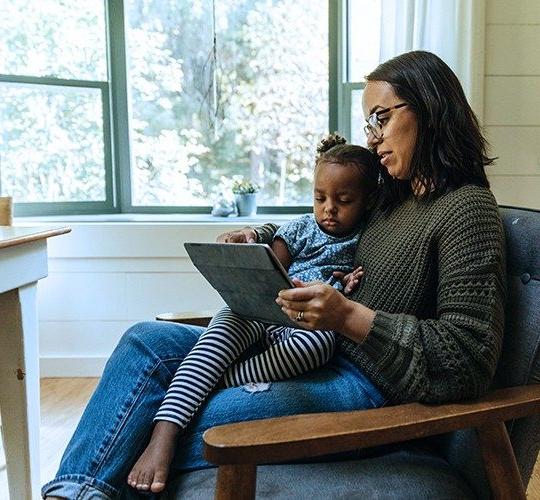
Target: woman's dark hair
<point>450,149</point>
<point>334,149</point>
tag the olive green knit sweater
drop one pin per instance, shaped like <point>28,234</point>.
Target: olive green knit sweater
<point>434,274</point>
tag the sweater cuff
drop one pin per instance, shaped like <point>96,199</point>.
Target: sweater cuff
<point>381,334</point>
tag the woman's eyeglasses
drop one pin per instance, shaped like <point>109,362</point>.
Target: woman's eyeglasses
<point>374,125</point>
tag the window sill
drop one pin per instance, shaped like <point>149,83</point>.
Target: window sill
<point>155,218</point>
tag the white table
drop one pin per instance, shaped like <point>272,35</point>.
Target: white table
<point>23,261</point>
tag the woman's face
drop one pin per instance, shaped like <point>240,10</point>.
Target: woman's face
<point>398,128</point>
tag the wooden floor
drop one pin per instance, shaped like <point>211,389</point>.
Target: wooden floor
<point>63,401</point>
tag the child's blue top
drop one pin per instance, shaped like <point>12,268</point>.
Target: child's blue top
<point>315,254</point>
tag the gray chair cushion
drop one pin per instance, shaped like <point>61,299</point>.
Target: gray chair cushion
<point>403,475</point>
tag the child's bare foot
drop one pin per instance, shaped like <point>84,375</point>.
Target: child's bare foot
<point>151,470</point>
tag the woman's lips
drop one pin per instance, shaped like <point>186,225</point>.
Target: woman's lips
<point>384,156</point>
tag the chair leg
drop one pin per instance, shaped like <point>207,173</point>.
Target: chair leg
<point>236,482</point>
<point>500,462</point>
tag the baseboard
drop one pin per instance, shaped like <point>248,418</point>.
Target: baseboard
<point>89,366</point>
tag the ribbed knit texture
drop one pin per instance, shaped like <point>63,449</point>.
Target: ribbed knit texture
<point>434,274</point>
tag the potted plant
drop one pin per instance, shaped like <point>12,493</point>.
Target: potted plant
<point>245,195</point>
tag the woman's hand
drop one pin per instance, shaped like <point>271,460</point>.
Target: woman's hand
<point>314,305</point>
<point>318,306</point>
<point>245,235</point>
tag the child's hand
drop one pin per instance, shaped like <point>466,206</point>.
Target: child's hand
<point>349,281</point>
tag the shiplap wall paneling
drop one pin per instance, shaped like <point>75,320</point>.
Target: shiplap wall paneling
<point>512,100</point>
<point>513,12</point>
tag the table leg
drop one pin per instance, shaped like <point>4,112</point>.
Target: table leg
<point>19,390</point>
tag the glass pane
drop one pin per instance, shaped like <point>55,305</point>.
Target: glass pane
<point>357,118</point>
<point>51,143</point>
<point>255,105</point>
<point>364,37</point>
<point>59,38</point>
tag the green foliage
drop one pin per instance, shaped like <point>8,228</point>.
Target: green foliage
<point>256,111</point>
<point>244,186</point>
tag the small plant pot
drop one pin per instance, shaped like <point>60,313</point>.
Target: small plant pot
<point>246,204</point>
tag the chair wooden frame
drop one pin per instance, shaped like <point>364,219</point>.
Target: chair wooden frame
<point>238,448</point>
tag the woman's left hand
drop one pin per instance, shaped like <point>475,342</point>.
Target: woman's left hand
<point>315,305</point>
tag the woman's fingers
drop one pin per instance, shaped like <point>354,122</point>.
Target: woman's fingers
<point>296,307</point>
<point>304,284</point>
<point>300,316</point>
<point>244,235</point>
<point>307,299</point>
<point>323,307</point>
<point>303,291</point>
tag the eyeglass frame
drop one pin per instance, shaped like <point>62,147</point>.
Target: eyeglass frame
<point>373,120</point>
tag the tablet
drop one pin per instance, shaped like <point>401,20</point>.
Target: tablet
<point>248,276</point>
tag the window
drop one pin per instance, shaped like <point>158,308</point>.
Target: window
<point>361,38</point>
<point>225,88</point>
<point>152,106</point>
<point>54,106</point>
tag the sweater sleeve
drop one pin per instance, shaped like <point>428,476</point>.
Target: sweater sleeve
<point>266,232</point>
<point>454,355</point>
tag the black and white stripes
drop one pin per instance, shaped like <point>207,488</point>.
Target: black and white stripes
<point>290,352</point>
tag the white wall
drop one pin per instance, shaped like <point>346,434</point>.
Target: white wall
<point>512,99</point>
<point>103,277</point>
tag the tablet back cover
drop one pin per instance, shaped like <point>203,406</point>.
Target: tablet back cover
<point>245,276</point>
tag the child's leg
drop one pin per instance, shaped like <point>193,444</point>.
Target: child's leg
<point>297,352</point>
<point>226,338</point>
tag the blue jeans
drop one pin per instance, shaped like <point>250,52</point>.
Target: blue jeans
<point>117,423</point>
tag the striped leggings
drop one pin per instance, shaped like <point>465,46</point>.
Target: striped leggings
<point>289,352</point>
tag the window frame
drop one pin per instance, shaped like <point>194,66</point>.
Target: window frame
<point>115,109</point>
<point>73,207</point>
<point>346,86</point>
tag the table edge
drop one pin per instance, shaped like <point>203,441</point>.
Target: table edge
<point>38,235</point>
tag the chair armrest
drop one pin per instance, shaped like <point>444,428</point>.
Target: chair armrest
<point>187,318</point>
<point>308,435</point>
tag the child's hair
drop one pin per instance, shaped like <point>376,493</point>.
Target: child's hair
<point>333,148</point>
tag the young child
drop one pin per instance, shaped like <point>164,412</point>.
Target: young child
<point>312,247</point>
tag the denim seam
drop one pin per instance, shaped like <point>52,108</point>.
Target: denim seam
<point>368,394</point>
<point>123,417</point>
<point>87,483</point>
<point>83,491</point>
<point>163,361</point>
<point>146,376</point>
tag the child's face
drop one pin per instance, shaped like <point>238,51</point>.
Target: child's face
<point>338,198</point>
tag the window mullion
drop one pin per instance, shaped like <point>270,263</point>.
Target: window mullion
<point>117,69</point>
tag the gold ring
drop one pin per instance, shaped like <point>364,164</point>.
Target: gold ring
<point>300,316</point>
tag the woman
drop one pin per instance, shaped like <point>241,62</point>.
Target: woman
<point>424,324</point>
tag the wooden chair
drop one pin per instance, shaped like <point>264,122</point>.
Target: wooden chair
<point>506,421</point>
